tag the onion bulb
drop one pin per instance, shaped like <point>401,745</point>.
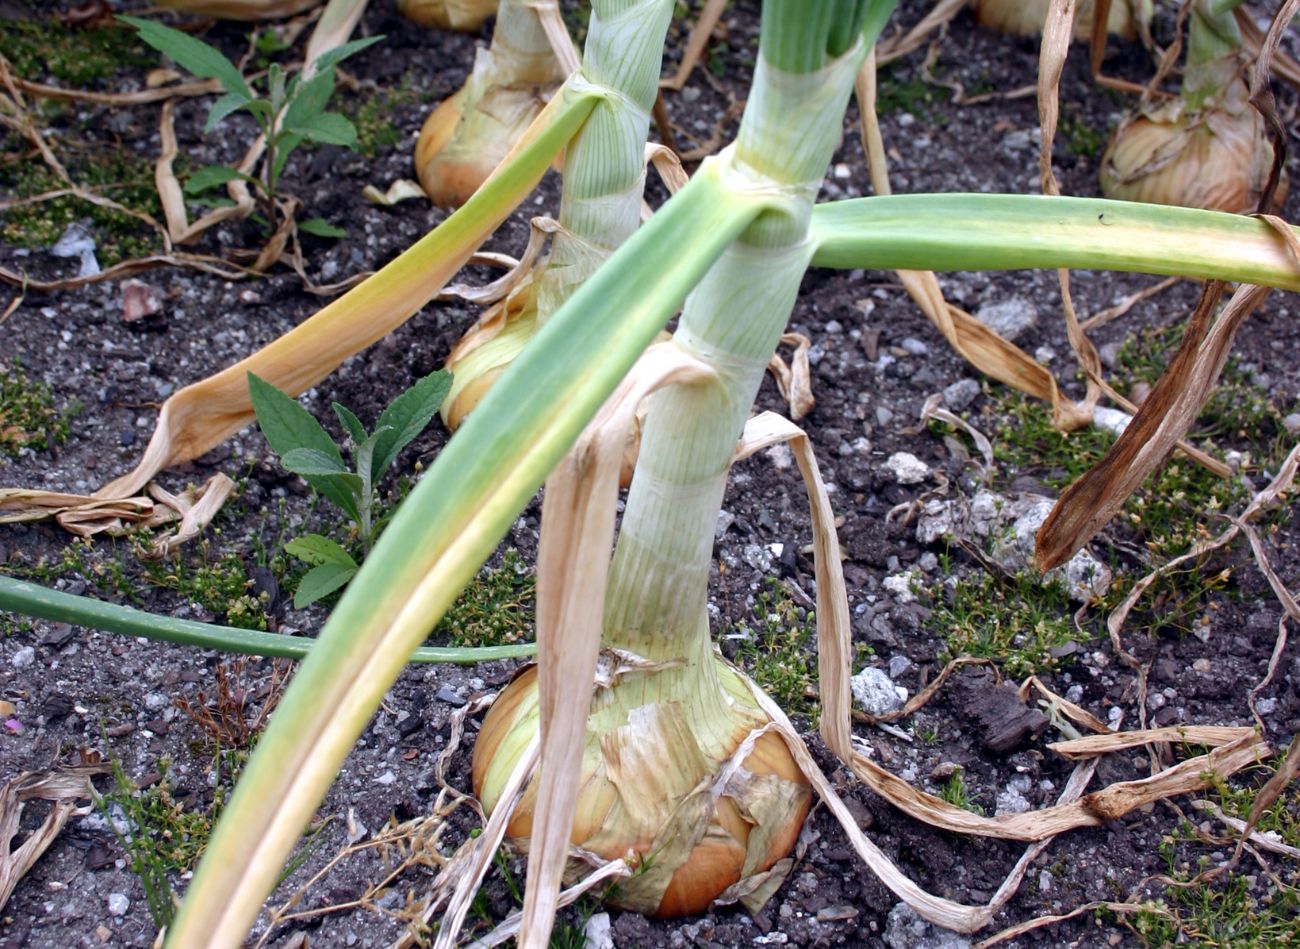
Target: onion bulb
<point>658,783</point>
<point>463,15</point>
<point>468,134</point>
<point>1216,157</point>
<point>488,348</point>
<point>486,351</point>
<point>1026,17</point>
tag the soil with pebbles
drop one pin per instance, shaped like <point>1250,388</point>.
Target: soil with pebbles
<point>77,688</point>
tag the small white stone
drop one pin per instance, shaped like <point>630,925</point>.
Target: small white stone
<point>386,778</point>
<point>900,584</point>
<point>1111,420</point>
<point>599,932</point>
<point>907,468</point>
<point>23,657</point>
<point>118,904</point>
<point>875,692</point>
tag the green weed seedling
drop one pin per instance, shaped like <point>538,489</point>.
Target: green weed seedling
<point>291,112</point>
<point>306,449</point>
<point>775,651</point>
<point>28,418</point>
<point>162,838</point>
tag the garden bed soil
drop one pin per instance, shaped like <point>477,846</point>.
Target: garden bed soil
<point>875,361</point>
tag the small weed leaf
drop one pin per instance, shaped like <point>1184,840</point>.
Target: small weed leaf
<point>308,100</point>
<point>317,549</point>
<point>309,461</point>
<point>407,416</point>
<point>213,176</point>
<point>224,106</point>
<point>322,581</point>
<point>191,54</point>
<point>319,227</point>
<point>289,427</point>
<point>351,424</point>
<point>328,128</point>
<point>331,58</point>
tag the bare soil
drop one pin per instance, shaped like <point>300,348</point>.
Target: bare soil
<point>82,689</point>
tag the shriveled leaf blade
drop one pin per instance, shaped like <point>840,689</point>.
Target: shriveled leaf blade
<point>1162,419</point>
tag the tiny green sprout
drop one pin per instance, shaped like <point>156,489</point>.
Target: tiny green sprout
<point>291,112</point>
<point>306,449</point>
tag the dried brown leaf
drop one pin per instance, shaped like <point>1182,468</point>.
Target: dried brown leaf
<point>695,43</point>
<point>1162,419</point>
<point>63,788</point>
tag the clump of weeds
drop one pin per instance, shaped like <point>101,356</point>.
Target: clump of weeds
<point>28,416</point>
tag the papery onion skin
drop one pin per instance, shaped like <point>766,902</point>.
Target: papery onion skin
<point>462,15</point>
<point>1026,17</point>
<point>1217,158</point>
<point>716,861</point>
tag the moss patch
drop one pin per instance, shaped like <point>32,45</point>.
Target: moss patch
<point>497,609</point>
<point>28,417</point>
<point>43,49</point>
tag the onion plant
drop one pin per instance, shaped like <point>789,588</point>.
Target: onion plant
<point>1207,146</point>
<point>469,132</point>
<point>675,764</point>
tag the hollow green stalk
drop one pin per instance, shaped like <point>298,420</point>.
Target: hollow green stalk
<point>1213,42</point>
<point>604,178</point>
<point>31,599</point>
<point>604,168</point>
<point>1017,232</point>
<point>808,57</point>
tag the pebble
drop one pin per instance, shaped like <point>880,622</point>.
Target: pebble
<point>118,904</point>
<point>1012,799</point>
<point>599,932</point>
<point>906,468</point>
<point>386,778</point>
<point>1109,354</point>
<point>1111,420</point>
<point>23,657</point>
<point>1202,665</point>
<point>914,347</point>
<point>900,666</point>
<point>450,696</point>
<point>900,585</point>
<point>961,394</point>
<point>883,416</point>
<point>1266,706</point>
<point>1010,318</point>
<point>905,930</point>
<point>1292,423</point>
<point>875,692</point>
